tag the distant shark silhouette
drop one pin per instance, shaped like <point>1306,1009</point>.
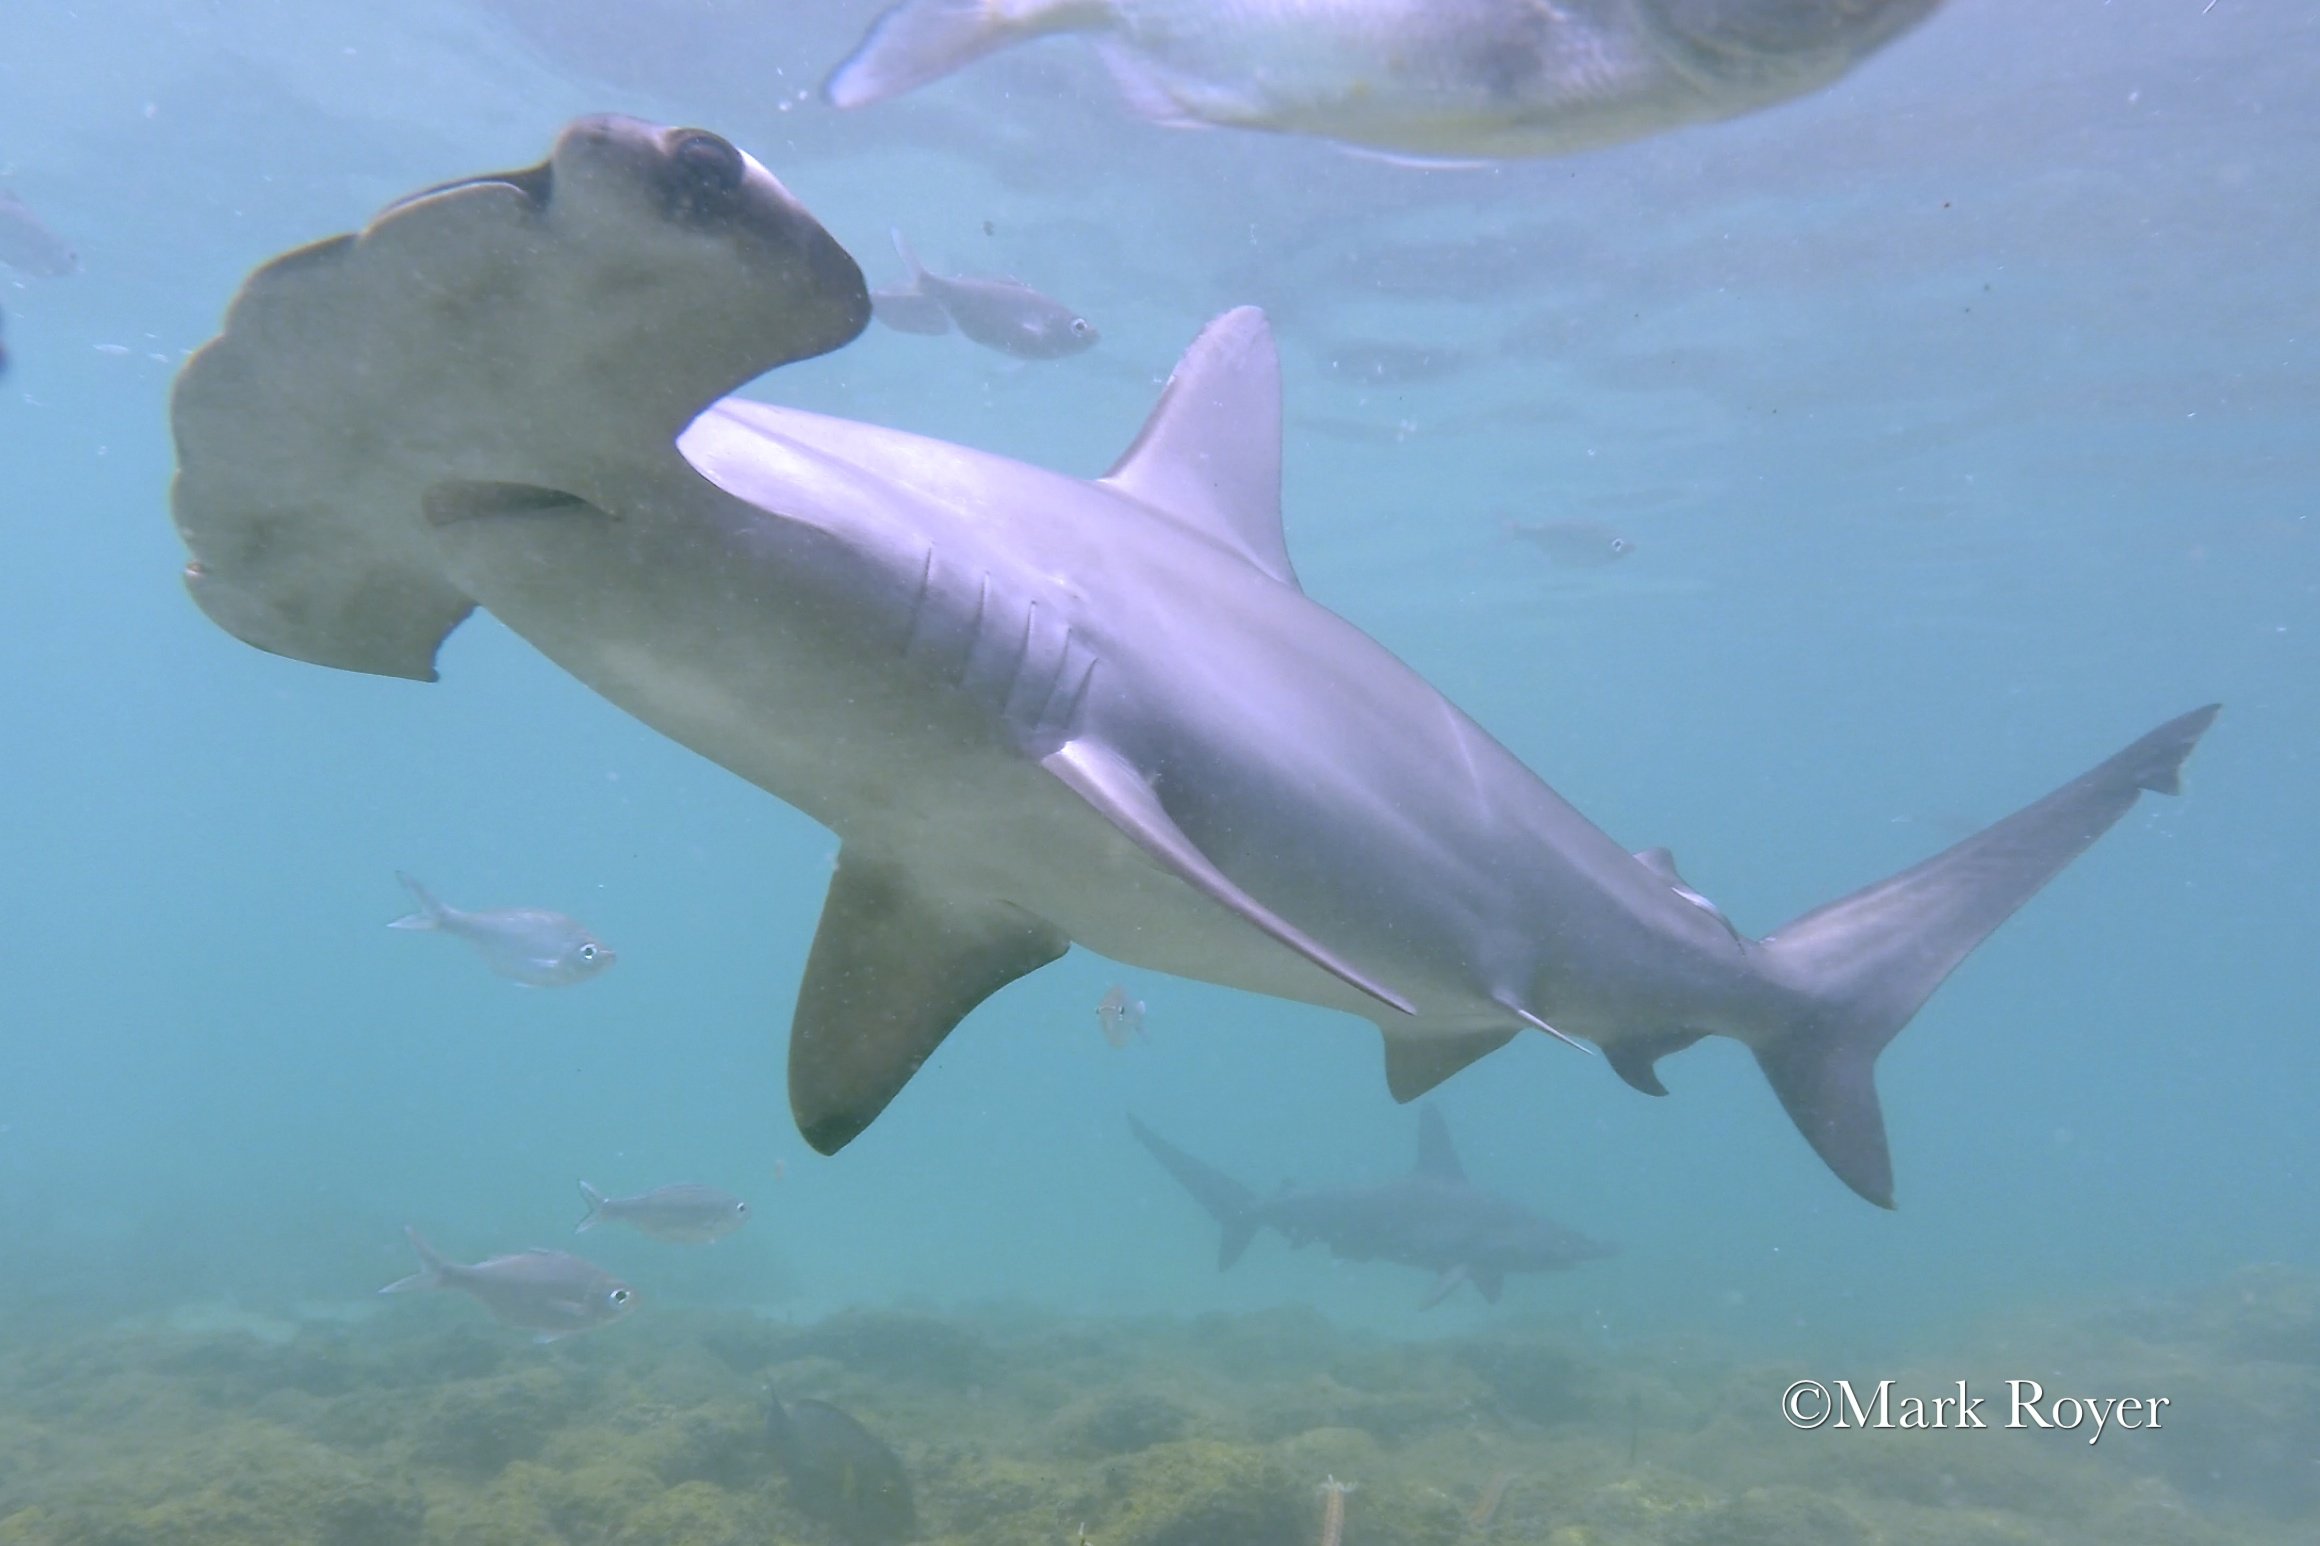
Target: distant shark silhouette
<point>1037,709</point>
<point>1433,1218</point>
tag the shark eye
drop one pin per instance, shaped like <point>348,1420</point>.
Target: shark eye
<point>703,174</point>
<point>710,161</point>
<point>1080,328</point>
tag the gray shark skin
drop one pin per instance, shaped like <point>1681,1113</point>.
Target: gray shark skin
<point>1036,709</point>
<point>1432,1218</point>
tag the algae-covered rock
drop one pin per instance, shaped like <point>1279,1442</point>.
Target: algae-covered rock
<point>1119,1422</point>
<point>904,1346</point>
<point>1773,1516</point>
<point>1201,1493</point>
<point>1537,1382</point>
<point>481,1425</point>
<point>246,1484</point>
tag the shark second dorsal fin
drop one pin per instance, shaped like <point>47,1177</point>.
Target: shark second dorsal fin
<point>1210,454</point>
<point>894,967</point>
<point>1437,1156</point>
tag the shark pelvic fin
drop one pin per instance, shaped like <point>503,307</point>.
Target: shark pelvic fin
<point>1860,967</point>
<point>1437,1156</point>
<point>1123,796</point>
<point>1415,1064</point>
<point>1210,454</point>
<point>1445,1284</point>
<point>894,967</point>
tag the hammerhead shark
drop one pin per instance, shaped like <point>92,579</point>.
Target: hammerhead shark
<point>1433,1218</point>
<point>1037,709</point>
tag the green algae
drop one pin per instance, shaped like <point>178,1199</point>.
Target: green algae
<point>1020,1428</point>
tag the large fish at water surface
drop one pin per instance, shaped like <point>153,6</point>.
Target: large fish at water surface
<point>1036,709</point>
<point>1421,77</point>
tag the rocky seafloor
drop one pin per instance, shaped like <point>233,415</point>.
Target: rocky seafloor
<point>433,1427</point>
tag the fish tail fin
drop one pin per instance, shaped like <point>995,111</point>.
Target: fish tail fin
<point>909,258</point>
<point>1231,1204</point>
<point>431,912</point>
<point>1855,971</point>
<point>923,40</point>
<point>431,1265</point>
<point>595,1200</point>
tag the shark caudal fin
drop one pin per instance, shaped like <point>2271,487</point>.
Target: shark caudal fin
<point>1863,965</point>
<point>1231,1204</point>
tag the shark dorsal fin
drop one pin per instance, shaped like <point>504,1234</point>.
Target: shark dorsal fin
<point>1210,454</point>
<point>1436,1156</point>
<point>1661,863</point>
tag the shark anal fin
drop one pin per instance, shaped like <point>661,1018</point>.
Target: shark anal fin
<point>894,967</point>
<point>1123,796</point>
<point>1632,1057</point>
<point>1415,1064</point>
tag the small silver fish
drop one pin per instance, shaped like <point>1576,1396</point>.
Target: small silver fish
<point>546,1292</point>
<point>1002,314</point>
<point>1575,544</point>
<point>1120,1017</point>
<point>537,948</point>
<point>687,1213</point>
<point>1422,78</point>
<point>30,247</point>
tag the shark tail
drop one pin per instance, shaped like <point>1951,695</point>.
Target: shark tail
<point>1232,1205</point>
<point>923,40</point>
<point>1855,971</point>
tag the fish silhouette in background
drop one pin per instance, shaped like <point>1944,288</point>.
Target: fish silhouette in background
<point>1432,1218</point>
<point>30,247</point>
<point>1002,314</point>
<point>1037,709</point>
<point>545,1292</point>
<point>1445,78</point>
<point>841,1473</point>
<point>530,945</point>
<point>1572,544</point>
<point>687,1213</point>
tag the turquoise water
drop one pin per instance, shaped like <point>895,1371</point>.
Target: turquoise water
<point>1961,417</point>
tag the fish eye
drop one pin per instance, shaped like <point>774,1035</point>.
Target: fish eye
<point>622,1295</point>
<point>1620,544</point>
<point>741,1207</point>
<point>1079,327</point>
<point>587,952</point>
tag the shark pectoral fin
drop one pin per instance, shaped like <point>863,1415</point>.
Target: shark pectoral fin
<point>1125,798</point>
<point>894,967</point>
<point>1415,1064</point>
<point>1489,1282</point>
<point>1210,454</point>
<point>1445,1284</point>
<point>1633,1058</point>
